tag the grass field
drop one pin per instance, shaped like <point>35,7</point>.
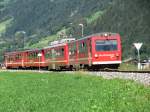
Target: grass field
<point>55,92</point>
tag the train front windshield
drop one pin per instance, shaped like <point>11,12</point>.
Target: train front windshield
<point>106,45</point>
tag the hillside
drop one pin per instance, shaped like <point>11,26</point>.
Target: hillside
<point>43,20</point>
<point>49,16</point>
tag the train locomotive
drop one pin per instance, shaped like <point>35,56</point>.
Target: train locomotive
<point>97,51</point>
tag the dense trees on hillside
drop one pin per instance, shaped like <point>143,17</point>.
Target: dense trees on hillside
<point>1,8</point>
<point>49,16</point>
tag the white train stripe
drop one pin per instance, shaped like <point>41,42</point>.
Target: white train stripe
<point>26,63</point>
<point>94,63</point>
<point>80,59</point>
<point>36,62</point>
<point>106,62</point>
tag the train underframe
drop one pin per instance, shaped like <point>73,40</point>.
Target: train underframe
<point>96,67</point>
<point>72,67</point>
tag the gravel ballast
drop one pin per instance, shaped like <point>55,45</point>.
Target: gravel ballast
<point>143,78</point>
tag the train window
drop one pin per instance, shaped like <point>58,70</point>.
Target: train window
<point>12,58</point>
<point>72,49</point>
<point>9,59</point>
<point>60,52</point>
<point>62,49</point>
<point>35,55</point>
<point>106,45</point>
<point>53,53</point>
<point>48,54</point>
<point>31,55</point>
<point>18,57</point>
<point>83,47</point>
<point>83,44</point>
<point>28,55</point>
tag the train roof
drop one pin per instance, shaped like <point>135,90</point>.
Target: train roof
<point>57,45</point>
<point>26,50</point>
<point>60,42</point>
<point>98,34</point>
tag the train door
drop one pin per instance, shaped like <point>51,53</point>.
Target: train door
<point>43,58</point>
<point>53,59</point>
<point>72,54</point>
<point>89,45</point>
<point>83,55</point>
<point>22,59</point>
<point>6,58</point>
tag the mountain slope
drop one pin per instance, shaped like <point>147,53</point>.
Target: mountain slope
<point>49,16</point>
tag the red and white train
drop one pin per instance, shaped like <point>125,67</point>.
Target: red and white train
<point>97,51</point>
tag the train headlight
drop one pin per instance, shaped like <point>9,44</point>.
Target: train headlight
<point>105,34</point>
<point>117,55</point>
<point>96,55</point>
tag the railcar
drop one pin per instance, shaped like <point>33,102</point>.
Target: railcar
<point>98,51</point>
<point>57,54</point>
<point>25,59</point>
<point>106,50</point>
<point>14,59</point>
<point>34,58</point>
<point>56,57</point>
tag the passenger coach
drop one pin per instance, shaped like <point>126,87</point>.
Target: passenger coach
<point>98,51</point>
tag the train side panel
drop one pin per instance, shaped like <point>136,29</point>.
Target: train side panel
<point>57,57</point>
<point>101,51</point>
<point>96,50</point>
<point>14,59</point>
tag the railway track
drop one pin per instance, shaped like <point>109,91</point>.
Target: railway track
<point>142,77</point>
<point>107,70</point>
<point>128,71</point>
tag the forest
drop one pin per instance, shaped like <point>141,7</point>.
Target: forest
<point>27,24</point>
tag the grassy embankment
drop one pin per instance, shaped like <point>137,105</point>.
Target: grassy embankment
<point>131,67</point>
<point>54,92</point>
<point>4,24</point>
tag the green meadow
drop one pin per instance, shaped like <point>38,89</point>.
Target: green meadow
<point>60,92</point>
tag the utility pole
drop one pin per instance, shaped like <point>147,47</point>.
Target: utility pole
<point>24,34</point>
<point>39,55</point>
<point>82,26</point>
